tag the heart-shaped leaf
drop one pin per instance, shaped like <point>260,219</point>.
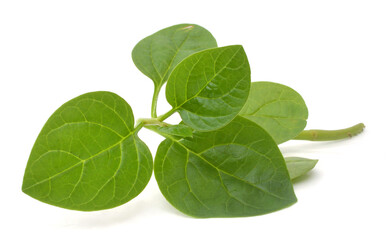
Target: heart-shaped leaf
<point>158,54</point>
<point>209,88</point>
<point>280,110</point>
<point>234,171</point>
<point>88,155</point>
<point>298,166</point>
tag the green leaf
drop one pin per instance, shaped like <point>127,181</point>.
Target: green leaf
<point>209,88</point>
<point>298,167</point>
<point>234,171</point>
<point>158,54</point>
<point>280,110</point>
<point>88,155</point>
<point>179,130</point>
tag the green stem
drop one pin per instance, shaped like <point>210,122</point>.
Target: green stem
<point>138,127</point>
<point>329,135</point>
<point>151,122</point>
<point>157,89</point>
<point>166,115</point>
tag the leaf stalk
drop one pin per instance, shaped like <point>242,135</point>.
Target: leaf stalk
<point>157,89</point>
<point>167,114</point>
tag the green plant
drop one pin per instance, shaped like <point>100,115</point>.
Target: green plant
<point>222,160</point>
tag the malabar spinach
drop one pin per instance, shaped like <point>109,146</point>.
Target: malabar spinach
<point>88,155</point>
<point>222,160</point>
<point>234,171</point>
<point>209,88</point>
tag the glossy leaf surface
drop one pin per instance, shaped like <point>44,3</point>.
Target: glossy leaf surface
<point>234,171</point>
<point>280,110</point>
<point>158,54</point>
<point>209,88</point>
<point>87,156</point>
<point>298,167</point>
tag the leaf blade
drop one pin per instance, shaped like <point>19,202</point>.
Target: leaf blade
<point>158,54</point>
<point>277,108</point>
<point>209,88</point>
<point>87,156</point>
<point>298,166</point>
<point>217,174</point>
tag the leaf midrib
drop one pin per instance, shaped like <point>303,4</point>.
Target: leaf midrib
<point>82,161</point>
<point>173,58</point>
<point>220,170</point>
<point>201,90</point>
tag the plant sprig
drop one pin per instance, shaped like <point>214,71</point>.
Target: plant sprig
<point>222,160</point>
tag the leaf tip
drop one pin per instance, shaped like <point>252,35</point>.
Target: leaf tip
<point>24,189</point>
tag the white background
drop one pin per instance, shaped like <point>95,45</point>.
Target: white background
<point>335,53</point>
